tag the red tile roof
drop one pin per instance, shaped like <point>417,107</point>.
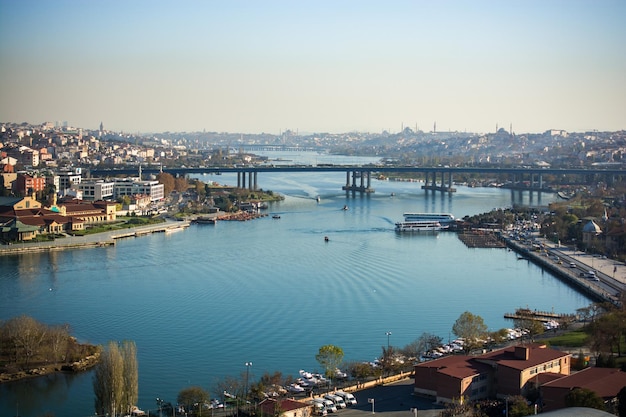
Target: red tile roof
<point>537,355</point>
<point>605,382</point>
<point>458,366</point>
<point>268,406</point>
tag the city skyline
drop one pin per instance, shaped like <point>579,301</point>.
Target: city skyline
<point>325,66</point>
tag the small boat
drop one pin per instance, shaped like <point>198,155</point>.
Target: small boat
<point>345,207</point>
<point>326,239</point>
<point>276,216</point>
<point>318,199</point>
<point>205,220</point>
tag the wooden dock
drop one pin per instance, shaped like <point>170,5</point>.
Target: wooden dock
<point>543,316</point>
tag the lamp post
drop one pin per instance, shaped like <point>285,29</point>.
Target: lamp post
<point>248,365</point>
<point>388,334</point>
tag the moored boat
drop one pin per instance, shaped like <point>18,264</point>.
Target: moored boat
<point>205,220</point>
<point>442,218</point>
<point>419,226</point>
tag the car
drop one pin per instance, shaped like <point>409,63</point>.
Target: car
<point>572,265</point>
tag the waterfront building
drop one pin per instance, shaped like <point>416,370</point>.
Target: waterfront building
<point>511,371</point>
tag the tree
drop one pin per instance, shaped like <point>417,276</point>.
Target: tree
<point>131,374</point>
<point>27,335</point>
<point>424,343</point>
<point>471,329</point>
<point>168,182</point>
<point>115,379</point>
<point>528,322</point>
<point>518,407</point>
<point>181,184</point>
<point>192,395</point>
<point>329,357</point>
<point>108,381</point>
<point>584,397</point>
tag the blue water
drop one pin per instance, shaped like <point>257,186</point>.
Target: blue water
<point>202,302</point>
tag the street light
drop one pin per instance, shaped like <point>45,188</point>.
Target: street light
<point>248,365</point>
<point>388,334</point>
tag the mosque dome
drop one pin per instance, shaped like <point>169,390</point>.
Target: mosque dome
<point>592,227</point>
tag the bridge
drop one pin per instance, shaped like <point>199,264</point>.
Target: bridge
<point>358,177</point>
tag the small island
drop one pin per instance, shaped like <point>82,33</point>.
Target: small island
<point>31,348</point>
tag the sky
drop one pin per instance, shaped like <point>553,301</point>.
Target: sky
<point>265,66</point>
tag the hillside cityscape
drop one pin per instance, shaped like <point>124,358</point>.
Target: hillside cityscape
<point>60,146</point>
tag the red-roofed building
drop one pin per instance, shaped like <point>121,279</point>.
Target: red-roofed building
<point>510,371</point>
<point>605,382</point>
<point>284,408</point>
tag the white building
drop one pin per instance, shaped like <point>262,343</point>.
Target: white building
<point>153,189</point>
<point>96,190</point>
<point>66,179</point>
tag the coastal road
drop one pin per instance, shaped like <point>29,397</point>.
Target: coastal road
<point>611,274</point>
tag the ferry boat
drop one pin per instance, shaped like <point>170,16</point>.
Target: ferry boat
<point>442,218</point>
<point>420,226</point>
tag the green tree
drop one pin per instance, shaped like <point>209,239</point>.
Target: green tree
<point>192,395</point>
<point>329,357</point>
<point>583,397</point>
<point>471,328</point>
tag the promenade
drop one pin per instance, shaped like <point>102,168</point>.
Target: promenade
<point>90,240</point>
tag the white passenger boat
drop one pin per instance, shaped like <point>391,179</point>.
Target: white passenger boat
<point>442,218</point>
<point>420,226</point>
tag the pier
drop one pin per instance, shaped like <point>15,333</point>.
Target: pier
<point>543,316</point>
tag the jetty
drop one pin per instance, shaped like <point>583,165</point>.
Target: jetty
<point>543,316</point>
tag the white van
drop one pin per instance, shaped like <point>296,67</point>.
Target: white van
<point>329,406</point>
<point>348,398</point>
<point>592,275</point>
<point>339,402</point>
<point>319,409</point>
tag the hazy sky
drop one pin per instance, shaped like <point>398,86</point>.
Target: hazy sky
<point>315,66</point>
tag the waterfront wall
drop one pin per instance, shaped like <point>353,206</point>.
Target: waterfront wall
<point>568,276</point>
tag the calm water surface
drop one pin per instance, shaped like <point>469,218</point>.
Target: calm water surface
<point>202,302</point>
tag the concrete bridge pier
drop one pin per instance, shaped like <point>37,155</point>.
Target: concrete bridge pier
<point>362,188</point>
<point>443,187</point>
